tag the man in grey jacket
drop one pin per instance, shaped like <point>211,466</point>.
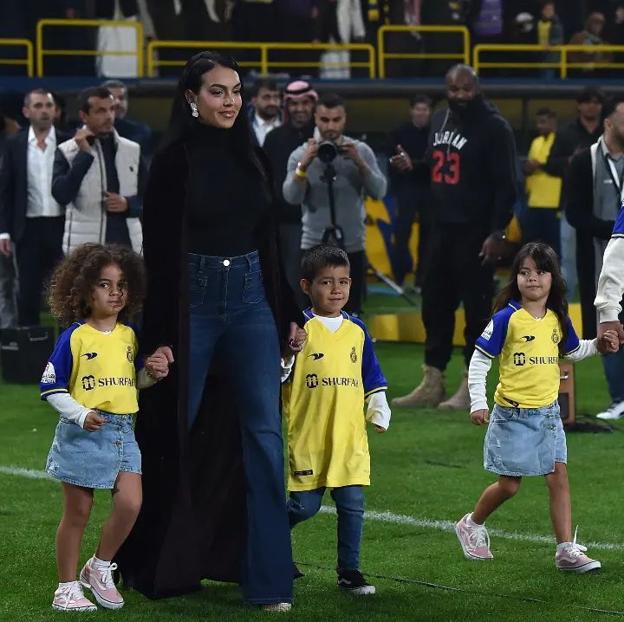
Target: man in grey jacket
<point>351,175</point>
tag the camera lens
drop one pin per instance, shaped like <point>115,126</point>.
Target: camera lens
<point>327,152</point>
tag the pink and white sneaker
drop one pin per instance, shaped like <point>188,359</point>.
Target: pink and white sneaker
<point>99,579</point>
<point>474,539</point>
<point>570,557</point>
<point>69,597</point>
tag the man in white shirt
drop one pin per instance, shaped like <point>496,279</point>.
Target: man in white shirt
<point>31,221</point>
<point>266,109</point>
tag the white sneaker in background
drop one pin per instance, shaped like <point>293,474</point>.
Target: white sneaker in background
<point>615,411</point>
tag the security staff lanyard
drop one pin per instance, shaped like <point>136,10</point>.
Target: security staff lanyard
<point>618,180</point>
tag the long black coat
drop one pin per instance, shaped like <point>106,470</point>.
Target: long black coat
<point>192,523</point>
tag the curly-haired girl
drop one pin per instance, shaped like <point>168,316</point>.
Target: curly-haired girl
<point>91,379</point>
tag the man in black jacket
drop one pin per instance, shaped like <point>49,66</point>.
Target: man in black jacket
<point>577,135</point>
<point>409,178</point>
<point>473,183</point>
<point>30,219</point>
<point>299,104</point>
<point>595,193</point>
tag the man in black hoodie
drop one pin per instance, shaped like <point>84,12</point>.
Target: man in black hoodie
<point>299,104</point>
<point>473,183</point>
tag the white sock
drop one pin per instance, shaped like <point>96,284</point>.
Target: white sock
<point>562,545</point>
<point>66,583</point>
<point>471,523</point>
<point>96,562</point>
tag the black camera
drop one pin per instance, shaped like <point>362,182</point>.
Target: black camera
<point>328,151</point>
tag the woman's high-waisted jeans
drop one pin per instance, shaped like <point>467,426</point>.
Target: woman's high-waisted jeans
<point>230,317</point>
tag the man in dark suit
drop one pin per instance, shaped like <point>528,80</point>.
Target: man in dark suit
<point>31,221</point>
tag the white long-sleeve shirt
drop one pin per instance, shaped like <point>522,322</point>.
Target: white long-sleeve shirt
<point>611,281</point>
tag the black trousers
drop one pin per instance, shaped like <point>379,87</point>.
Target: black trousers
<point>37,252</point>
<point>411,202</point>
<point>454,274</point>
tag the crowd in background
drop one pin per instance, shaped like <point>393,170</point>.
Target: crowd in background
<point>283,124</point>
<point>553,22</point>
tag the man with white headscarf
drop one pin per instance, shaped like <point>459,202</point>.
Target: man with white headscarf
<point>299,104</point>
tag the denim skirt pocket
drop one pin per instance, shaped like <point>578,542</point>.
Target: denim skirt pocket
<point>253,289</point>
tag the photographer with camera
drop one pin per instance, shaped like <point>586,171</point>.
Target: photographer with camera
<point>329,176</point>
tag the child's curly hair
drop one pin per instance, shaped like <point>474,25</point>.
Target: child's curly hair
<point>75,277</point>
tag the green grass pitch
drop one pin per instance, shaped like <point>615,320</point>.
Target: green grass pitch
<point>427,467</point>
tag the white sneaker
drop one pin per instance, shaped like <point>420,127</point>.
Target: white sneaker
<point>277,607</point>
<point>615,411</point>
<point>69,597</point>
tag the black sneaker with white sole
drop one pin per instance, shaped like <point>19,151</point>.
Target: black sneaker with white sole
<point>353,582</point>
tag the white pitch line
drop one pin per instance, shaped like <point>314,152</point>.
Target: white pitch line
<point>381,517</point>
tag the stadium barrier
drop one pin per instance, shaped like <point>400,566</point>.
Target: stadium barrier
<point>89,23</point>
<point>28,61</point>
<point>563,64</point>
<point>264,63</point>
<point>383,56</point>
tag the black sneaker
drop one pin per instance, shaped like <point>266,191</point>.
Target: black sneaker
<point>297,574</point>
<point>353,582</point>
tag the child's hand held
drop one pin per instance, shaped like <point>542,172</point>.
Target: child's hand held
<point>296,339</point>
<point>480,417</point>
<point>93,421</point>
<point>609,342</point>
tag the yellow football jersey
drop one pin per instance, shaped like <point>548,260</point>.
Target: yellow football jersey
<point>324,405</point>
<point>97,369</point>
<point>529,355</point>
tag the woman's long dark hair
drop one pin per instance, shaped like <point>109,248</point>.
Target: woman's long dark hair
<point>182,126</point>
<point>545,259</point>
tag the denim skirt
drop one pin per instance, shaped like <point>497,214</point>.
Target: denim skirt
<point>524,441</point>
<point>94,459</point>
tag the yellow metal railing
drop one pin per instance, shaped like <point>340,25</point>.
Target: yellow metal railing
<point>563,64</point>
<point>28,61</point>
<point>264,64</point>
<point>383,56</point>
<point>41,51</point>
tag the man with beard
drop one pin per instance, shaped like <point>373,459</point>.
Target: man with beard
<point>299,103</point>
<point>31,221</point>
<point>473,183</point>
<point>265,109</point>
<point>595,193</point>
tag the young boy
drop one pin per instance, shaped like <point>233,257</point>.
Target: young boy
<point>335,372</point>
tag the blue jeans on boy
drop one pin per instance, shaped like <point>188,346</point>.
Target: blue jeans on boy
<point>230,318</point>
<point>349,502</point>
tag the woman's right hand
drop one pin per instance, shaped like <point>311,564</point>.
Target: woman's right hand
<point>480,417</point>
<point>93,421</point>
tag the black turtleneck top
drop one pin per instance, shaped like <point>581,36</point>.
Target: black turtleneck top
<point>225,194</point>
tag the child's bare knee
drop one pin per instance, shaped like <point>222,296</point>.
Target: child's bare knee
<point>509,485</point>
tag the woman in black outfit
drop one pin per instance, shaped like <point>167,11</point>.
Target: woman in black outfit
<point>214,501</point>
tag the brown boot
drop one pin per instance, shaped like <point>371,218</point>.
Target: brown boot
<point>461,399</point>
<point>430,392</point>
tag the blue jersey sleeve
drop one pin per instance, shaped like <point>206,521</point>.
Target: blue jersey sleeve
<point>57,373</point>
<point>372,376</point>
<point>618,227</point>
<point>572,341</point>
<point>492,339</point>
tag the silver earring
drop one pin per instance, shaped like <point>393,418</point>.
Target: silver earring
<point>194,111</point>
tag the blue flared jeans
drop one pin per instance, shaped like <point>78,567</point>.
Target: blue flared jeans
<point>230,319</point>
